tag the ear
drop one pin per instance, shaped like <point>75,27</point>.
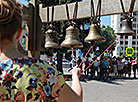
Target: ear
<point>19,33</point>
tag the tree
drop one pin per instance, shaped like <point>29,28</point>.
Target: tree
<point>110,37</point>
<point>61,29</point>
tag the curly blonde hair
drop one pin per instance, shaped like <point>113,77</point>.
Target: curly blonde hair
<point>10,18</point>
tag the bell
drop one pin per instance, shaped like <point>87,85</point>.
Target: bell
<point>51,39</point>
<point>126,28</point>
<point>94,34</point>
<point>72,38</point>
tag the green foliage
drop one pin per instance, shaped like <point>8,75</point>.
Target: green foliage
<point>61,26</point>
<point>122,56</point>
<point>110,37</point>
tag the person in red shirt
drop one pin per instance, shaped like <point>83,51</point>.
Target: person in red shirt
<point>134,64</point>
<point>110,65</point>
<point>86,65</point>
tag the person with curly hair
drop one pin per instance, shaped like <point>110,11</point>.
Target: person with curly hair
<point>24,79</point>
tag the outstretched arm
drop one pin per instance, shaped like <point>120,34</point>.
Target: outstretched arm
<point>74,94</point>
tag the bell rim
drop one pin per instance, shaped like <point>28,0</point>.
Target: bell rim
<point>75,46</point>
<point>69,43</point>
<point>126,34</point>
<point>50,46</point>
<point>97,40</point>
<point>80,45</point>
<point>53,47</point>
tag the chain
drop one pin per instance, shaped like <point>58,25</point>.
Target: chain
<point>47,17</point>
<point>129,15</point>
<point>95,18</point>
<point>71,22</point>
<point>51,25</point>
<point>52,17</point>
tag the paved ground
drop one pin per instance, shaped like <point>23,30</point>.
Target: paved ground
<point>120,90</point>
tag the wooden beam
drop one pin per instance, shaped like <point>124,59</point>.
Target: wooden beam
<point>26,16</point>
<point>109,7</point>
<point>35,35</point>
<point>30,24</point>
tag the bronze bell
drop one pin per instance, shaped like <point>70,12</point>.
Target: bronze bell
<point>94,34</point>
<point>51,39</point>
<point>126,28</point>
<point>72,38</point>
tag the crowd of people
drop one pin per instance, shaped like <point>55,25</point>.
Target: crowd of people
<point>105,67</point>
<point>111,66</point>
<point>23,78</point>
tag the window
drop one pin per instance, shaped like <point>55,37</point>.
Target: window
<point>135,31</point>
<point>134,19</point>
<point>112,26</point>
<point>121,25</point>
<point>122,48</point>
<point>121,42</point>
<point>126,42</point>
<point>134,25</point>
<point>134,37</point>
<point>134,14</point>
<point>133,42</point>
<point>126,37</point>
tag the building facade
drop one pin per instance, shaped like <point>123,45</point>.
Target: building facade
<point>125,41</point>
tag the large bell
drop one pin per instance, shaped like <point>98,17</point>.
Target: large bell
<point>51,39</point>
<point>94,34</point>
<point>72,38</point>
<point>126,28</point>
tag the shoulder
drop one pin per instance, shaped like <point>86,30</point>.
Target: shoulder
<point>49,78</point>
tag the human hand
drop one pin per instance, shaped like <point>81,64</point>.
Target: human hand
<point>76,72</point>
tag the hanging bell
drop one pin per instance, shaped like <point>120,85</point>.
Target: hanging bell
<point>51,39</point>
<point>126,28</point>
<point>94,34</point>
<point>72,38</point>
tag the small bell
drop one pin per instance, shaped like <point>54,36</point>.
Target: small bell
<point>51,39</point>
<point>72,38</point>
<point>126,28</point>
<point>94,34</point>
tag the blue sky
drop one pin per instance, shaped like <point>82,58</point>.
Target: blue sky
<point>105,20</point>
<point>22,1</point>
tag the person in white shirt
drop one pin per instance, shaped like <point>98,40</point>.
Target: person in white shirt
<point>120,65</point>
<point>97,66</point>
